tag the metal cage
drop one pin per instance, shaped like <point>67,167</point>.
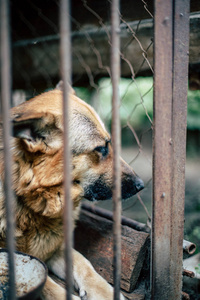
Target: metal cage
<point>171,40</point>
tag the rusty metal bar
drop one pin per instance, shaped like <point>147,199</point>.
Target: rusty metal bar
<point>179,115</point>
<point>109,215</point>
<point>6,103</point>
<point>65,65</point>
<point>161,206</point>
<point>116,139</point>
<point>171,30</point>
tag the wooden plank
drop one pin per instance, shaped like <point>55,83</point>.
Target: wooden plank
<point>94,239</point>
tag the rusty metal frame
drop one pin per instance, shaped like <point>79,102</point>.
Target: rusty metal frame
<point>171,40</point>
<point>170,108</point>
<point>6,82</point>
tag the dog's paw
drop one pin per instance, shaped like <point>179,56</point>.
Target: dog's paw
<point>89,283</point>
<point>83,294</point>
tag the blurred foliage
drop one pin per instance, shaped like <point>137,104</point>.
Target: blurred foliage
<point>193,118</point>
<point>196,232</point>
<point>198,269</point>
<point>83,93</point>
<point>136,102</point>
<point>137,108</point>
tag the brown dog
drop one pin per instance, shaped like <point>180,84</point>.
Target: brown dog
<point>38,184</point>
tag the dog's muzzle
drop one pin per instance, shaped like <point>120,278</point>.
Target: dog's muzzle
<point>131,187</point>
<point>99,190</point>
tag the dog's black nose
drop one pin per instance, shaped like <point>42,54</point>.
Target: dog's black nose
<point>139,184</point>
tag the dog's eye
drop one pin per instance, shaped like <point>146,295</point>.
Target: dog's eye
<point>102,150</point>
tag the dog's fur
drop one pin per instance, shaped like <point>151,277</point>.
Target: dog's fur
<point>37,148</point>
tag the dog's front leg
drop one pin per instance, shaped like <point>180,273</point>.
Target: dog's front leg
<point>53,291</point>
<point>90,284</point>
<point>89,280</point>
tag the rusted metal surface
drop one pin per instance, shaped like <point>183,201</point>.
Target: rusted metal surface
<point>65,66</point>
<point>116,138</point>
<point>189,247</point>
<point>170,109</point>
<point>180,85</point>
<point>188,273</point>
<point>5,105</point>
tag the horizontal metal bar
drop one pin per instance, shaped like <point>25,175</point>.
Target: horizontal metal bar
<point>124,28</point>
<point>109,215</point>
<point>189,247</point>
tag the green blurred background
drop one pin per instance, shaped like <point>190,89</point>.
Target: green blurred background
<point>136,113</point>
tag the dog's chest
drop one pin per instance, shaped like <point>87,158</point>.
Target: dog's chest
<point>40,237</point>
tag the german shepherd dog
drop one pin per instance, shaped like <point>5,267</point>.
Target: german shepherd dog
<point>37,148</point>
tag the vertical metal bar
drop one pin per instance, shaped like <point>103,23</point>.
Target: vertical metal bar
<point>161,210</point>
<point>116,139</point>
<point>170,102</point>
<point>179,115</point>
<point>6,103</point>
<point>65,63</point>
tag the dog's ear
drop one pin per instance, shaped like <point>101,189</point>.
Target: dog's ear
<point>38,131</point>
<point>25,126</point>
<point>60,84</point>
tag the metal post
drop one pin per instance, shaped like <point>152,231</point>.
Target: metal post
<point>116,138</point>
<point>65,63</point>
<point>180,87</point>
<point>6,103</point>
<point>171,32</point>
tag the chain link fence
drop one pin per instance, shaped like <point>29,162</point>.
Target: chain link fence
<point>35,36</point>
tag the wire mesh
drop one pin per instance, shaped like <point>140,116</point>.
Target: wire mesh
<point>36,57</point>
<point>36,68</point>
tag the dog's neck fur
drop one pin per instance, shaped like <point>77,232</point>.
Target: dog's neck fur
<point>32,210</point>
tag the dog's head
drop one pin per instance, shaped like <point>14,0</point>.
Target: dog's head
<point>38,129</point>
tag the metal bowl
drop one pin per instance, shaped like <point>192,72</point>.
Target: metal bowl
<point>30,276</point>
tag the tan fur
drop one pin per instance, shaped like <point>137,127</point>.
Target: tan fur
<point>37,147</point>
